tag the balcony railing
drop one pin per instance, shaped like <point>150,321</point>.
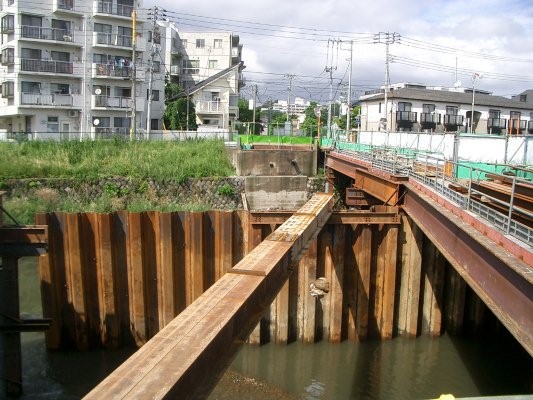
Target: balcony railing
<point>211,107</point>
<point>406,116</point>
<point>55,67</point>
<point>112,102</point>
<point>430,118</point>
<point>112,39</point>
<point>37,32</point>
<point>115,71</point>
<point>496,123</point>
<point>108,7</point>
<point>455,120</point>
<point>46,99</point>
<point>190,71</point>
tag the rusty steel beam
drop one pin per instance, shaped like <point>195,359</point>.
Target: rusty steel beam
<point>23,241</point>
<point>348,217</point>
<point>503,281</point>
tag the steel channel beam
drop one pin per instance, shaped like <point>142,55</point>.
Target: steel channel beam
<point>500,279</point>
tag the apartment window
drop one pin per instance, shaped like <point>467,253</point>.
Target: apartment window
<point>61,30</point>
<point>200,43</point>
<point>154,124</point>
<point>402,106</point>
<point>8,56</point>
<point>184,43</point>
<point>125,35</point>
<point>60,88</point>
<point>212,64</point>
<point>514,114</point>
<point>123,92</point>
<point>8,23</point>
<point>191,66</point>
<point>101,58</point>
<point>452,110</point>
<point>8,89</point>
<point>32,54</point>
<point>379,108</point>
<point>523,98</point>
<point>60,56</point>
<point>102,122</point>
<point>428,108</point>
<point>156,66</point>
<point>121,122</point>
<point>494,113</point>
<point>52,125</point>
<point>217,43</point>
<point>102,28</point>
<point>155,95</point>
<point>31,87</point>
<point>31,20</point>
<point>103,33</point>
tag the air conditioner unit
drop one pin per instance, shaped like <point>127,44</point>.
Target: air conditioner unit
<point>72,113</point>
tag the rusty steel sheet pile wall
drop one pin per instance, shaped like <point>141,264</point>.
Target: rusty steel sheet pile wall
<point>117,279</point>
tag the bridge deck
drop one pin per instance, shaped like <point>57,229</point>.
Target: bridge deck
<point>185,359</point>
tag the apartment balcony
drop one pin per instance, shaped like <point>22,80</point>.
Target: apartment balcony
<point>211,107</point>
<point>113,9</point>
<point>405,119</point>
<point>67,7</point>
<point>115,72</point>
<point>47,66</point>
<point>452,122</point>
<point>496,125</point>
<point>429,120</point>
<point>116,103</point>
<point>37,33</point>
<point>51,100</point>
<point>518,126</point>
<point>101,39</point>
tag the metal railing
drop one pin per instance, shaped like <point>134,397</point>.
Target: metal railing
<point>46,99</point>
<point>57,67</point>
<point>430,170</point>
<point>37,32</point>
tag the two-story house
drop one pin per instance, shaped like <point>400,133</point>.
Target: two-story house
<point>419,108</point>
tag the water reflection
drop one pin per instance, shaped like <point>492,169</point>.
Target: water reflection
<point>399,369</point>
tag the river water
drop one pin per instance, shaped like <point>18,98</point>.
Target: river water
<point>398,369</point>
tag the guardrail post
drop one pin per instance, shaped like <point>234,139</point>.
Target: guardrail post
<point>510,215</point>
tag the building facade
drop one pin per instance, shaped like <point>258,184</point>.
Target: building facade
<point>68,70</point>
<point>208,67</point>
<point>419,108</point>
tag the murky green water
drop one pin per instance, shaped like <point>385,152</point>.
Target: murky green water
<point>399,369</point>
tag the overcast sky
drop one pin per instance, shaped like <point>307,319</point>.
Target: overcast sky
<point>300,40</point>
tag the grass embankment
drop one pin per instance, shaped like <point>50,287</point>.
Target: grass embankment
<point>90,161</point>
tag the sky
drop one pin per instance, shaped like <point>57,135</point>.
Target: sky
<point>300,48</point>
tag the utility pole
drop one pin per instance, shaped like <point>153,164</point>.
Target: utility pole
<point>155,30</point>
<point>289,90</point>
<point>254,90</point>
<point>389,39</point>
<point>348,115</point>
<point>330,69</point>
<point>133,127</point>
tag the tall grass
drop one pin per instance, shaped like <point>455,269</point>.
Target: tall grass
<point>85,160</point>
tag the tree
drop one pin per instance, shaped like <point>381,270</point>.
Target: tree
<point>171,89</point>
<point>353,119</point>
<point>310,124</point>
<point>245,115</point>
<point>175,116</point>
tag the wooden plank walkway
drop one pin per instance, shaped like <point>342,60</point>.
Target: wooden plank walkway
<point>186,358</point>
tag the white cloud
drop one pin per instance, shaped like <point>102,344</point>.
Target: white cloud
<point>494,27</point>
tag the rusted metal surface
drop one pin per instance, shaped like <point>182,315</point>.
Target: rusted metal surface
<point>337,217</point>
<point>501,280</point>
<point>22,241</point>
<point>186,357</point>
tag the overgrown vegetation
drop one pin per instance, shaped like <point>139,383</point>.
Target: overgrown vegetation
<point>96,159</point>
<point>87,161</point>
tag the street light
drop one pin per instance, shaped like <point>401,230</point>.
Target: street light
<point>475,76</point>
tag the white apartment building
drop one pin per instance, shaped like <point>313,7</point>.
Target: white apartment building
<point>208,67</point>
<point>67,69</point>
<point>419,108</point>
